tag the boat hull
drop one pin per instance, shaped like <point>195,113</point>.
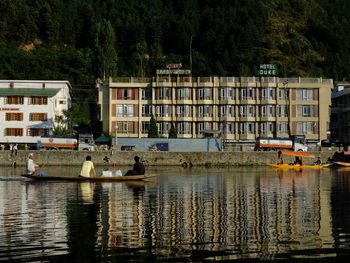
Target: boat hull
<point>297,166</point>
<point>91,179</point>
<point>343,164</point>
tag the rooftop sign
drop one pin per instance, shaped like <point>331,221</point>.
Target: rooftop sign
<point>173,71</point>
<point>267,70</point>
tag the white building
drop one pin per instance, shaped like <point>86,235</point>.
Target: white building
<point>30,109</point>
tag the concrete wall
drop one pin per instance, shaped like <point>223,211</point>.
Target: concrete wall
<point>185,159</point>
<point>175,145</point>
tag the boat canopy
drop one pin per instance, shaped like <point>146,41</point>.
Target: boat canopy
<point>300,154</point>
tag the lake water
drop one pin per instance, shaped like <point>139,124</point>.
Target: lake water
<point>225,214</point>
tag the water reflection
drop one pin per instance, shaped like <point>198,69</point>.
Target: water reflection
<point>186,214</point>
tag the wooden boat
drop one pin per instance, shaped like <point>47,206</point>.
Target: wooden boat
<point>298,166</point>
<point>91,179</point>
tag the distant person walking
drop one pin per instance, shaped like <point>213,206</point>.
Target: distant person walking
<point>138,168</point>
<point>87,168</point>
<point>15,149</point>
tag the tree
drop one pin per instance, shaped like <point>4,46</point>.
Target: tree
<point>172,131</point>
<point>153,130</point>
<point>106,53</point>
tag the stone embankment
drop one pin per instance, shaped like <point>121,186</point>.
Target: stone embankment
<point>184,159</point>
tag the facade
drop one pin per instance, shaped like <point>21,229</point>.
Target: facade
<point>340,115</point>
<point>30,109</point>
<point>241,108</point>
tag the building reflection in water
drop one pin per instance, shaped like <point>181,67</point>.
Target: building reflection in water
<point>256,214</point>
<point>251,213</point>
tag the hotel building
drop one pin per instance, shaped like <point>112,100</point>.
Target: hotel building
<point>239,108</point>
<point>30,109</point>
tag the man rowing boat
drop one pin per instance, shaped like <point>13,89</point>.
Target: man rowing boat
<point>33,168</point>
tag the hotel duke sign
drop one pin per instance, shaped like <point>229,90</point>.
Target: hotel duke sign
<point>267,70</point>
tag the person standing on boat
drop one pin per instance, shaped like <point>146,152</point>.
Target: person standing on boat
<point>87,167</point>
<point>138,168</point>
<point>32,168</point>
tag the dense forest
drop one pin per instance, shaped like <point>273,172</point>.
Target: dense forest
<point>82,40</point>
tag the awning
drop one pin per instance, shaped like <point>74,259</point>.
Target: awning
<point>103,139</point>
<point>43,125</point>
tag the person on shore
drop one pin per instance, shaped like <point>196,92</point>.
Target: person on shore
<point>32,168</point>
<point>87,167</point>
<point>138,168</point>
<point>280,157</point>
<point>15,149</point>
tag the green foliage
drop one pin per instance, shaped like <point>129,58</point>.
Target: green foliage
<point>153,130</point>
<point>83,40</point>
<point>63,131</point>
<point>172,131</point>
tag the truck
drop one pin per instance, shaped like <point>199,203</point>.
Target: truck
<point>295,143</point>
<point>84,142</point>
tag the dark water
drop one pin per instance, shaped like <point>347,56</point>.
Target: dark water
<point>191,215</point>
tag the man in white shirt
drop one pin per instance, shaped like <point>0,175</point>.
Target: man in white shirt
<point>31,167</point>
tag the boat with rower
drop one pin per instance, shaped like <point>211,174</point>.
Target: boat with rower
<point>91,179</point>
<point>297,166</point>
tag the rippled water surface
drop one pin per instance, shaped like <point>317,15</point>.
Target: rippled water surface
<point>225,214</point>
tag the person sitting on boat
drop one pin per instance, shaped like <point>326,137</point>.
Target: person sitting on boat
<point>298,161</point>
<point>32,168</point>
<point>87,167</point>
<point>318,161</point>
<point>138,168</point>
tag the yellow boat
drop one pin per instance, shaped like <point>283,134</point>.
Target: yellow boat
<point>298,166</point>
<point>343,164</point>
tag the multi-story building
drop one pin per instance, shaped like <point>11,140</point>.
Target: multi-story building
<point>30,109</point>
<point>340,117</point>
<point>238,108</point>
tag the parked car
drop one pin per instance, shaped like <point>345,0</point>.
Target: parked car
<point>330,143</point>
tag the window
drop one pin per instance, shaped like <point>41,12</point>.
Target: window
<point>268,93</point>
<point>146,94</point>
<point>282,110</point>
<point>126,110</point>
<point>184,128</point>
<point>37,132</point>
<point>267,111</point>
<point>247,128</point>
<point>305,94</point>
<point>145,125</point>
<point>226,111</point>
<point>146,110</point>
<point>14,116</point>
<point>267,127</point>
<point>126,127</point>
<point>226,93</point>
<point>14,132</point>
<point>205,111</point>
<point>164,93</point>
<point>39,100</point>
<point>227,127</point>
<point>183,111</point>
<point>305,111</point>
<point>38,116</point>
<point>283,94</point>
<point>163,127</point>
<point>126,94</point>
<point>202,126</point>
<point>282,127</point>
<point>14,100</point>
<point>247,111</point>
<point>204,94</point>
<point>247,93</point>
<point>163,110</point>
<point>306,127</point>
<point>183,93</point>
<point>60,102</point>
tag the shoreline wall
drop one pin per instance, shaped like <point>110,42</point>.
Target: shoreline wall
<point>184,159</point>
